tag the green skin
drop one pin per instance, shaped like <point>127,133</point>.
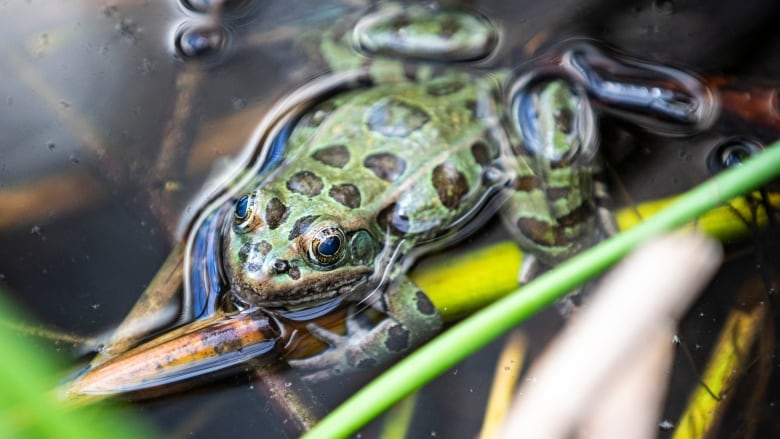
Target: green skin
<point>374,174</point>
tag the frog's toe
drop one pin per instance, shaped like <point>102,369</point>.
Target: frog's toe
<point>326,335</point>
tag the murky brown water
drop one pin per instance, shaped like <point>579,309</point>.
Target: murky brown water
<point>115,113</point>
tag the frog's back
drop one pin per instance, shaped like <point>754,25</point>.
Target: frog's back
<point>407,156</point>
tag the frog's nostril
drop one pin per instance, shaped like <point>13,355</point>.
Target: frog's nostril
<point>280,266</point>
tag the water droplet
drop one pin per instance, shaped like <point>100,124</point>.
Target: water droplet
<point>128,30</point>
<point>666,425</point>
<point>109,11</point>
<point>288,384</point>
<point>199,41</point>
<point>95,306</point>
<point>238,103</point>
<point>147,66</point>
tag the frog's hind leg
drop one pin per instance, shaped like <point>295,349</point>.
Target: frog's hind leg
<point>605,220</point>
<point>410,320</point>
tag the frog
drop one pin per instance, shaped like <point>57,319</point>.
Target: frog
<point>414,156</point>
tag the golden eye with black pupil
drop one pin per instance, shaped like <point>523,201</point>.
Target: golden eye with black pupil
<point>244,213</point>
<point>327,246</point>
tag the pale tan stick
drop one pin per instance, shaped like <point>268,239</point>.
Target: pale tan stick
<point>648,291</point>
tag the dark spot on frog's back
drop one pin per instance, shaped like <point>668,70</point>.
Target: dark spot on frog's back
<point>450,184</point>
<point>346,194</point>
<point>301,225</point>
<point>386,166</point>
<point>395,118</point>
<point>481,152</point>
<point>275,213</point>
<point>397,339</point>
<point>334,155</point>
<point>541,233</point>
<point>305,183</point>
<point>424,304</point>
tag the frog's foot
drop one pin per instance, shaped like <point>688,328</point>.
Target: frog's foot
<point>411,319</point>
<point>530,269</point>
<point>363,346</point>
<point>605,219</point>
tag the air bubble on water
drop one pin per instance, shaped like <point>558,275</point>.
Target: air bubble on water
<point>198,41</point>
<point>206,6</point>
<point>95,306</point>
<point>666,425</point>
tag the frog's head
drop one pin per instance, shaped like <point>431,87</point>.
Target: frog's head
<point>280,256</point>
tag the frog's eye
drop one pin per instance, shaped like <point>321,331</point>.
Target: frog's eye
<point>730,153</point>
<point>327,246</point>
<point>244,213</point>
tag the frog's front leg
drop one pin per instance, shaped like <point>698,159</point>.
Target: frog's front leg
<point>411,319</point>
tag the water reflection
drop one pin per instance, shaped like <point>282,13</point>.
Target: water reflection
<point>114,135</point>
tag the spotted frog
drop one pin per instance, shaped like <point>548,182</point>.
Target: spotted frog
<point>406,158</point>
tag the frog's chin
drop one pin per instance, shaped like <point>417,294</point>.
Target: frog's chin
<point>310,290</point>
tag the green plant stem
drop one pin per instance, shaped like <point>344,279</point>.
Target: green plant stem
<point>484,326</point>
<point>28,407</point>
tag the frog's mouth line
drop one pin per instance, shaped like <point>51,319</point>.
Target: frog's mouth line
<point>309,291</point>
